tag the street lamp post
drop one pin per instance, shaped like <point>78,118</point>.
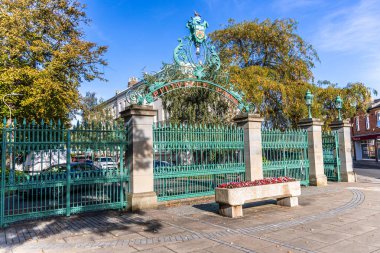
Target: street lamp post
<point>10,109</point>
<point>338,106</point>
<point>309,101</point>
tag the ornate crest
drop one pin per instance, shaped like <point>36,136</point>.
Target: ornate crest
<point>205,56</point>
<point>197,28</point>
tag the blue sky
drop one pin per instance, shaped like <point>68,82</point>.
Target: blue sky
<point>142,34</point>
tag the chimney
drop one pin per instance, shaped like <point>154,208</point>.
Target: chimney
<point>132,81</point>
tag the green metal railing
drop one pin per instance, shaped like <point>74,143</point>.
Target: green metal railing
<point>50,170</point>
<point>331,159</point>
<point>190,161</point>
<point>285,153</point>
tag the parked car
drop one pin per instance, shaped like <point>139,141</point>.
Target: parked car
<point>37,161</point>
<point>82,159</point>
<point>58,173</point>
<point>157,163</point>
<point>105,163</point>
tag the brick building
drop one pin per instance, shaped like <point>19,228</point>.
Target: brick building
<point>366,133</point>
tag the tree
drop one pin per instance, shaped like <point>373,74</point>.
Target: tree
<point>193,105</point>
<point>270,44</point>
<point>273,65</point>
<point>44,56</point>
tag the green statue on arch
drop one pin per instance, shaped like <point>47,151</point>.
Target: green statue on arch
<point>197,29</point>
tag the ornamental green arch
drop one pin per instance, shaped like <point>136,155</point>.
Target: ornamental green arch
<point>159,89</point>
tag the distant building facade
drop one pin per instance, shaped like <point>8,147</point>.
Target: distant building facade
<point>366,133</point>
<point>116,104</point>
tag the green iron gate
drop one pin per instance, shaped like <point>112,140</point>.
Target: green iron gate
<point>49,170</point>
<point>331,160</point>
<point>190,161</point>
<point>285,153</point>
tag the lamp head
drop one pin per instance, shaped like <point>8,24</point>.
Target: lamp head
<point>338,102</point>
<point>309,98</point>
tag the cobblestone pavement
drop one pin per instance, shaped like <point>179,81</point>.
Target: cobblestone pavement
<point>337,218</point>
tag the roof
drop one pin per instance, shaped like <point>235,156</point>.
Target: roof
<point>374,104</point>
<point>120,93</point>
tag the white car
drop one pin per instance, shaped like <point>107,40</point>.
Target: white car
<point>37,161</point>
<point>105,163</point>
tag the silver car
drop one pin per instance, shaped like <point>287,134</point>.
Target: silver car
<point>105,163</point>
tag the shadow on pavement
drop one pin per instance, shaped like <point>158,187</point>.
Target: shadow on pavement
<point>97,223</point>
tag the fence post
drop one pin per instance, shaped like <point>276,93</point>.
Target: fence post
<point>343,127</point>
<point>317,175</point>
<point>140,153</point>
<point>253,154</point>
<point>3,174</point>
<point>68,174</point>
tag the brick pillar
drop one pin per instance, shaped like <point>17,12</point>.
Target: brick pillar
<point>140,155</point>
<point>317,175</point>
<point>253,157</point>
<point>344,133</point>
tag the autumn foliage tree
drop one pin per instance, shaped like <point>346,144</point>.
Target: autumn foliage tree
<point>273,65</point>
<point>44,56</point>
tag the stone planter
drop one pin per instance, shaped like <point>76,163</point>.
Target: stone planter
<point>231,200</point>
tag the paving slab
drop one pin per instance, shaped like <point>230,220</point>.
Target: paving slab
<point>328,236</point>
<point>348,246</point>
<point>191,246</point>
<point>307,243</point>
<point>277,249</point>
<point>354,228</point>
<point>221,249</point>
<point>371,238</point>
<point>247,242</point>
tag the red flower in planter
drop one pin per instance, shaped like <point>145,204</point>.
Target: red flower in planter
<point>268,180</point>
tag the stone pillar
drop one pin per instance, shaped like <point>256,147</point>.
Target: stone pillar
<point>253,156</point>
<point>317,175</point>
<point>140,155</point>
<point>344,133</point>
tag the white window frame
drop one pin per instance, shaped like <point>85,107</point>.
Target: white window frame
<point>367,124</point>
<point>357,124</point>
<point>378,119</point>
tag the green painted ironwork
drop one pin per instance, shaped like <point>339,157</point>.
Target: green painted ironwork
<point>285,153</point>
<point>331,159</point>
<point>204,56</point>
<point>196,65</point>
<point>159,89</point>
<point>50,170</point>
<point>190,161</point>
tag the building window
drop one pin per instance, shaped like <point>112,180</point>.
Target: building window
<point>120,107</point>
<point>357,124</point>
<point>378,119</point>
<point>368,149</point>
<point>367,122</point>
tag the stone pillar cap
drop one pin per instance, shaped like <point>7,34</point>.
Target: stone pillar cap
<point>310,122</point>
<point>340,123</point>
<point>248,117</point>
<point>139,110</point>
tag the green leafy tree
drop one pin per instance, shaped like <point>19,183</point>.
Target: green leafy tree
<point>271,44</point>
<point>44,56</point>
<point>273,65</point>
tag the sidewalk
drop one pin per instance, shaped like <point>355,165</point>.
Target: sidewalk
<point>337,218</point>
